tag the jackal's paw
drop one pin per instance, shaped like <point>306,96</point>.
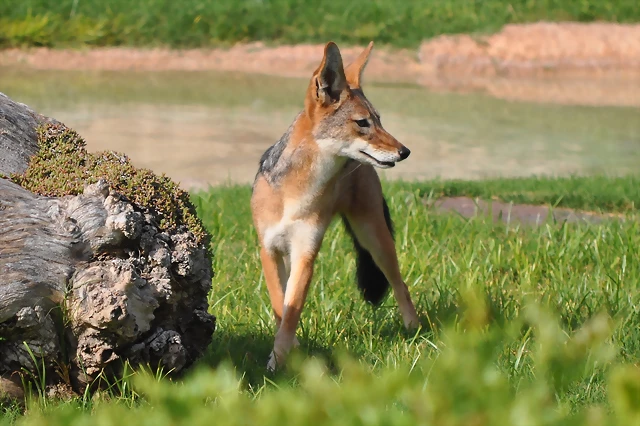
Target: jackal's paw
<point>296,343</point>
<point>272,365</point>
<point>412,324</point>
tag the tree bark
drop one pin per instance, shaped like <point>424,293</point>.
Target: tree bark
<point>90,281</point>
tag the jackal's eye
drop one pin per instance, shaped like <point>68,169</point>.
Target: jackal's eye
<point>362,123</point>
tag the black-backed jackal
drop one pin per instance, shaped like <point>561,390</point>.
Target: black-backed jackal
<point>323,166</point>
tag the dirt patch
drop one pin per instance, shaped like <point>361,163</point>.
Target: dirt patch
<point>510,213</point>
<point>286,61</point>
<point>538,50</point>
<point>570,63</point>
<point>575,63</point>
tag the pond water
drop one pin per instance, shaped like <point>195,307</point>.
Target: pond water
<point>209,127</point>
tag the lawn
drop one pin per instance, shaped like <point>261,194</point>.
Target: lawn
<point>197,23</point>
<point>521,325</point>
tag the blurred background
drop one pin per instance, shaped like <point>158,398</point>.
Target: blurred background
<point>199,89</point>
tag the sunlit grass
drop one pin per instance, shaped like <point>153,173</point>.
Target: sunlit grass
<point>521,325</point>
<point>194,23</point>
<point>575,269</point>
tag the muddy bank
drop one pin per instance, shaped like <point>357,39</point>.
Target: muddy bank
<point>568,63</point>
<point>516,214</point>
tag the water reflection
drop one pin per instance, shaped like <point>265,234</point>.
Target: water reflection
<point>208,127</point>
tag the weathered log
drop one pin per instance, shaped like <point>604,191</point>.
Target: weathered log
<point>114,271</point>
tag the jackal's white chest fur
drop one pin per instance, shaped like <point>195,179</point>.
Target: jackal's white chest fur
<point>292,236</point>
<point>296,231</point>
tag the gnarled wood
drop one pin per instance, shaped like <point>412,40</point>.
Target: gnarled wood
<point>90,280</point>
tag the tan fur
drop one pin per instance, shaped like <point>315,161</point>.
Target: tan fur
<point>354,71</point>
<point>311,179</point>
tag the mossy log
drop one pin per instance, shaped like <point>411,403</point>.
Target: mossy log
<point>100,263</point>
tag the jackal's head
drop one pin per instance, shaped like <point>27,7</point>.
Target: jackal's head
<point>344,122</point>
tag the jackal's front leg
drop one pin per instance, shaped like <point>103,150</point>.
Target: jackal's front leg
<point>275,278</point>
<point>294,298</point>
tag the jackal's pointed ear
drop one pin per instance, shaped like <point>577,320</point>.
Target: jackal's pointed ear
<point>329,81</point>
<point>355,68</point>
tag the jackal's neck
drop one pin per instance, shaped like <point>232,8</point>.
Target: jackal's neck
<point>298,156</point>
<point>316,166</point>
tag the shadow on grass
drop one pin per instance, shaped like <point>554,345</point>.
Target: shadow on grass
<point>248,349</point>
<point>249,352</point>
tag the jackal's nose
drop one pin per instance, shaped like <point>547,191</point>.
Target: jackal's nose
<point>404,152</point>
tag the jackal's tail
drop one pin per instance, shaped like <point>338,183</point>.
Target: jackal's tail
<point>371,281</point>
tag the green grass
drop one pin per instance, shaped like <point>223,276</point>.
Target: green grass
<point>593,193</point>
<point>522,326</point>
<point>192,23</point>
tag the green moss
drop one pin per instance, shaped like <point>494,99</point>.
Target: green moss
<point>63,167</point>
